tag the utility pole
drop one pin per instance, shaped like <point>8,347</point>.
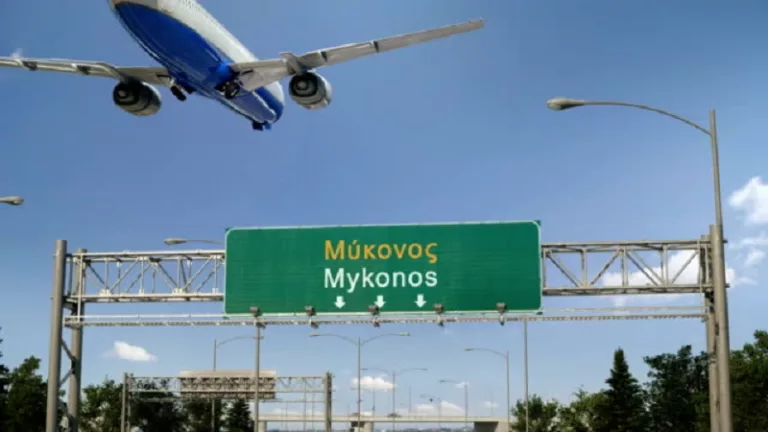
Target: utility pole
<point>717,241</point>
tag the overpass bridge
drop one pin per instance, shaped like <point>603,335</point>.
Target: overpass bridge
<point>367,422</point>
<point>381,419</point>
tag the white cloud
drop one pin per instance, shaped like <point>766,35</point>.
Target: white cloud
<point>17,53</point>
<point>760,240</point>
<point>490,404</point>
<point>754,257</point>
<point>752,200</point>
<point>126,351</point>
<point>675,262</point>
<point>446,408</point>
<point>372,383</point>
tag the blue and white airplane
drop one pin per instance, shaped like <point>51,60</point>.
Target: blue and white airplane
<point>199,55</point>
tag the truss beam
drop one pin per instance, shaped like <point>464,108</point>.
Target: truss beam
<point>581,269</point>
<point>234,387</point>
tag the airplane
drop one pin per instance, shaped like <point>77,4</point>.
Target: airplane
<point>199,55</point>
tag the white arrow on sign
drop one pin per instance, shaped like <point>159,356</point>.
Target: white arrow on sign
<point>339,302</point>
<point>380,301</point>
<point>420,300</point>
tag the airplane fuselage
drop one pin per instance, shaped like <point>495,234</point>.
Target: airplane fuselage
<point>197,51</point>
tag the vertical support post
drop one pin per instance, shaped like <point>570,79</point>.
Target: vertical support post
<point>213,401</point>
<point>328,402</point>
<point>128,401</point>
<point>124,404</point>
<point>410,401</point>
<point>508,408</point>
<point>723,350</point>
<point>712,367</point>
<point>54,347</point>
<point>359,384</point>
<point>525,363</point>
<point>75,378</point>
<point>466,406</point>
<point>394,399</point>
<point>705,277</point>
<point>257,378</point>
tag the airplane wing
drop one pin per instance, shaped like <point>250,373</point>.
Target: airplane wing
<point>150,75</point>
<point>253,75</point>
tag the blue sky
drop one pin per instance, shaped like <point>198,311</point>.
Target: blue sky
<point>452,130</point>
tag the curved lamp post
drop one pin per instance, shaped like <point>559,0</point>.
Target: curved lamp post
<point>722,346</point>
<point>394,375</point>
<point>12,200</point>
<point>505,356</point>
<point>171,241</point>
<point>359,343</point>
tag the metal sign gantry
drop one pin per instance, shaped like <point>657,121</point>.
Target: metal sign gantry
<point>82,277</point>
<point>219,387</point>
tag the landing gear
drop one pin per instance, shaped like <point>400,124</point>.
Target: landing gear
<point>178,93</point>
<point>230,89</point>
<point>257,126</point>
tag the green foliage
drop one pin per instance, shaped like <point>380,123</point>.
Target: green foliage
<point>673,399</point>
<point>4,382</point>
<point>677,391</point>
<point>198,414</point>
<point>238,417</point>
<point>622,408</point>
<point>26,398</point>
<point>749,375</point>
<point>157,412</point>
<point>542,415</point>
<point>101,408</point>
<point>581,414</point>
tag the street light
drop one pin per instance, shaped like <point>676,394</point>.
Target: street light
<point>722,345</point>
<point>466,398</point>
<point>505,356</point>
<point>359,342</point>
<point>256,312</point>
<point>216,345</point>
<point>12,200</point>
<point>170,241</point>
<point>394,389</point>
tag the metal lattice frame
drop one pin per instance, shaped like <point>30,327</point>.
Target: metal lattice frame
<point>636,267</point>
<point>235,387</point>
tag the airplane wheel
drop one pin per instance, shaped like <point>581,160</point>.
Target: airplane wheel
<point>179,94</point>
<point>231,90</point>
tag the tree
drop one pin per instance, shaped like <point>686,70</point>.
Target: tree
<point>677,392</point>
<point>749,375</point>
<point>156,411</point>
<point>26,398</point>
<point>581,414</point>
<point>4,378</point>
<point>622,409</point>
<point>238,417</point>
<point>198,415</point>
<point>542,415</point>
<point>101,408</point>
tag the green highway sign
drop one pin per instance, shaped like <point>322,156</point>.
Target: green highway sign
<point>467,267</point>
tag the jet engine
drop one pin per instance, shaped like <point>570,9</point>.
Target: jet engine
<point>310,90</point>
<point>137,98</point>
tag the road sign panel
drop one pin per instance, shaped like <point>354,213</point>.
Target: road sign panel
<point>400,268</point>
